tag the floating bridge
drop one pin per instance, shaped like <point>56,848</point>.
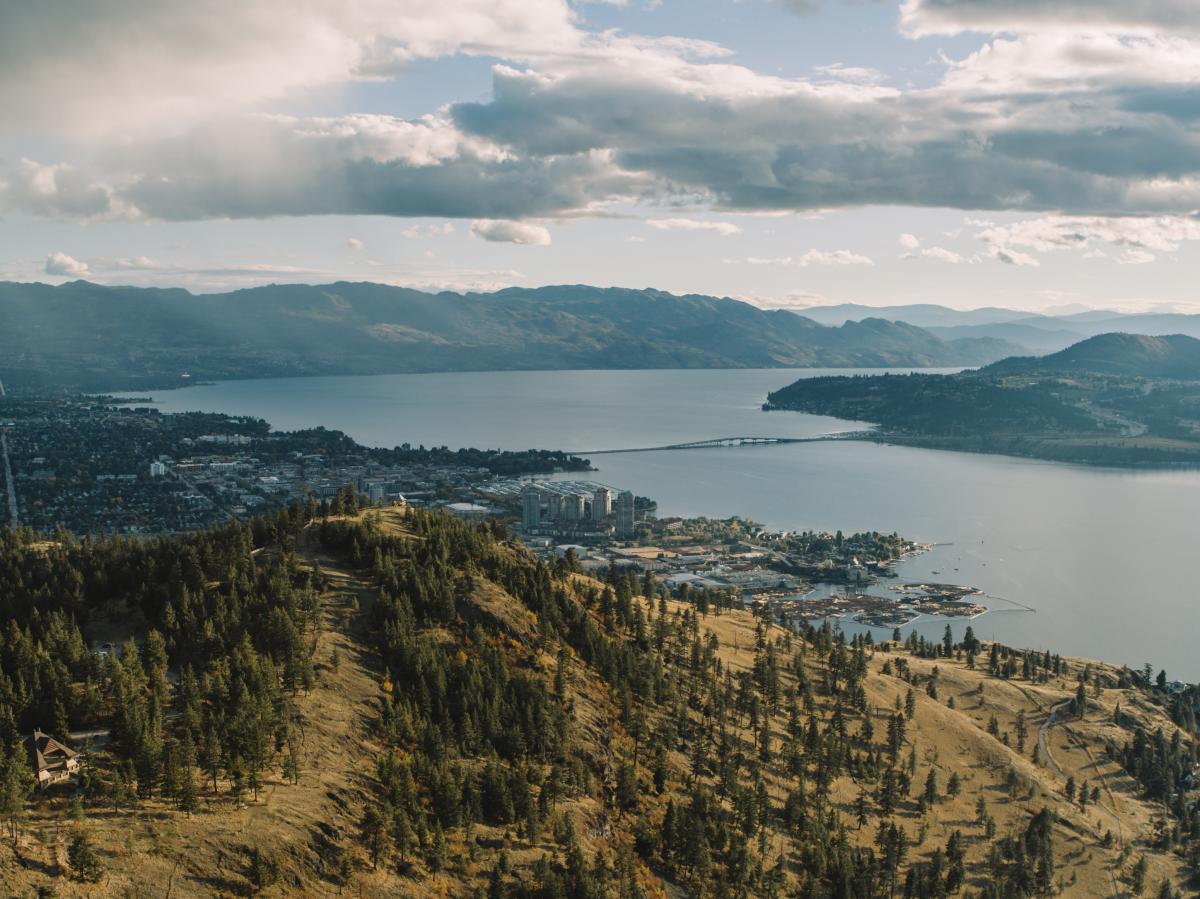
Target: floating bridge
<point>714,443</point>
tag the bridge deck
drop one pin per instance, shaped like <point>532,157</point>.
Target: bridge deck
<point>719,442</point>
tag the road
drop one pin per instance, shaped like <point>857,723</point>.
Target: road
<point>1044,752</point>
<point>1043,748</point>
<point>10,487</point>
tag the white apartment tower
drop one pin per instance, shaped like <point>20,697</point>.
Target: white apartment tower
<point>602,501</point>
<point>572,507</point>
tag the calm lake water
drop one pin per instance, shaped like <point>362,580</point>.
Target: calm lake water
<point>1105,557</point>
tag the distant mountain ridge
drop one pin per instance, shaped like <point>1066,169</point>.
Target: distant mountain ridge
<point>84,334</point>
<point>1038,333</point>
<point>923,315</point>
<point>1127,355</point>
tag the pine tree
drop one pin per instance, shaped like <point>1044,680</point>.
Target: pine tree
<point>931,787</point>
<point>1137,876</point>
<point>85,864</point>
<point>186,795</point>
<point>375,833</point>
<point>16,785</point>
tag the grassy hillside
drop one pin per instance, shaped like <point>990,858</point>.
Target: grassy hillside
<point>88,335</point>
<point>478,725</point>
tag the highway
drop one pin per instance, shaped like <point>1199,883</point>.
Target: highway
<point>10,487</point>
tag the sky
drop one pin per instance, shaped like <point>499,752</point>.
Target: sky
<point>1036,154</point>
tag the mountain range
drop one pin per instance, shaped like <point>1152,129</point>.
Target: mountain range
<point>1038,333</point>
<point>87,335</point>
<point>1175,356</point>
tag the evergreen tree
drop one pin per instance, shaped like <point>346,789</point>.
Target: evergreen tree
<point>85,863</point>
<point>16,785</point>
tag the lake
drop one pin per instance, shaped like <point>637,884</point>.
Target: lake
<point>1103,556</point>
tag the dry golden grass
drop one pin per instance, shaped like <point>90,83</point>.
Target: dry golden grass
<point>957,740</point>
<point>157,851</point>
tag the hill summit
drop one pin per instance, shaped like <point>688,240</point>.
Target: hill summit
<point>1126,355</point>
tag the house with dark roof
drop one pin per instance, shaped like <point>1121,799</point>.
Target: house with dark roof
<point>52,762</point>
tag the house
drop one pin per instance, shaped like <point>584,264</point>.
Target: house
<point>52,762</point>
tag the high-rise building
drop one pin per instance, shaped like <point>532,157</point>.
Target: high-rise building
<point>601,503</point>
<point>554,506</point>
<point>626,517</point>
<point>157,469</point>
<point>531,508</point>
<point>572,507</point>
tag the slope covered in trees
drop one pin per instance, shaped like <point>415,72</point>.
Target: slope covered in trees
<point>100,337</point>
<point>1114,399</point>
<point>398,703</point>
<point>1126,355</point>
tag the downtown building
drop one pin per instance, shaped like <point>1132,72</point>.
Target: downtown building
<point>626,515</point>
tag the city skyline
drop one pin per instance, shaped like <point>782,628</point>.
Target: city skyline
<point>785,152</point>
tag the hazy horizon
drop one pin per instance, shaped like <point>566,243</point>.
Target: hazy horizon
<point>965,153</point>
<point>798,306</point>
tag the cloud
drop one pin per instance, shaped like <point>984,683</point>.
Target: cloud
<point>833,257</point>
<point>59,191</point>
<point>810,257</point>
<point>926,17</point>
<point>1013,257</point>
<point>353,243</point>
<point>908,241</point>
<point>230,271</point>
<point>987,138</point>
<point>941,254</point>
<point>858,74</point>
<point>62,265</point>
<point>417,232</point>
<point>511,232</point>
<point>799,300</point>
<point>725,229</point>
<point>1135,257</point>
<point>1038,119</point>
<point>261,166</point>
<point>1138,239</point>
<point>210,275</point>
<point>80,64</point>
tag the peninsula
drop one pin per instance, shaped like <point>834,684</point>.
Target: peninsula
<point>1114,399</point>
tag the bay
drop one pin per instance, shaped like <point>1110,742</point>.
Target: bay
<point>1103,556</point>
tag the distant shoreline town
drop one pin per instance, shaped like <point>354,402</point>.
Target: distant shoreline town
<point>92,465</point>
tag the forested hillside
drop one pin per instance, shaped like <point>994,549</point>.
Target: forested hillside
<point>393,703</point>
<point>1114,399</point>
<point>88,335</point>
<point>1118,354</point>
